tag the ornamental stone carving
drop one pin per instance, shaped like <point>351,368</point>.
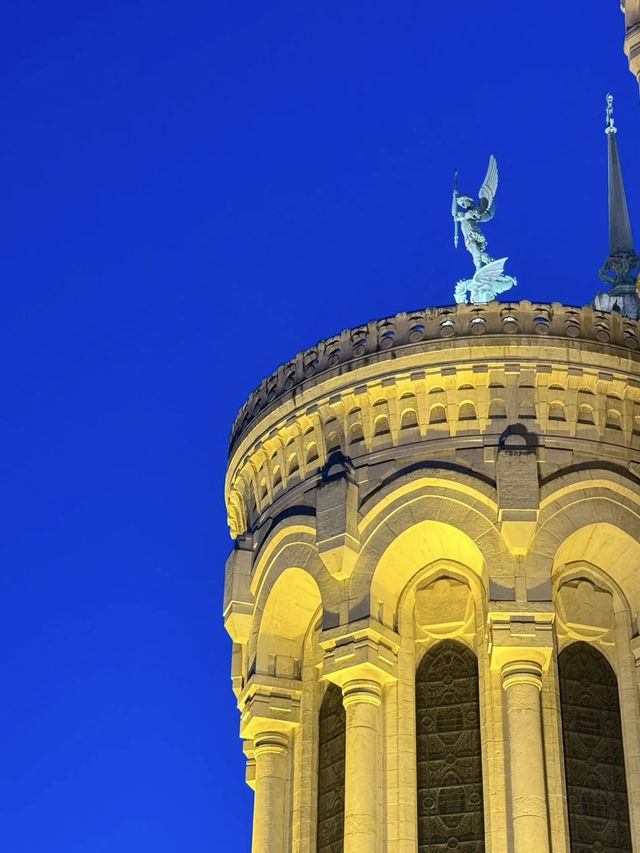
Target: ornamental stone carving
<point>584,610</point>
<point>444,608</point>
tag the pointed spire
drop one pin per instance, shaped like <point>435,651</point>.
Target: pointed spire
<point>618,269</point>
<point>620,239</point>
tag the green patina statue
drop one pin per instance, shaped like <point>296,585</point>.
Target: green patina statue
<point>489,278</point>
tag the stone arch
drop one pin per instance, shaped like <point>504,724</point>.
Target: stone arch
<point>416,520</point>
<point>611,550</point>
<point>286,616</point>
<point>437,414</point>
<point>409,419</point>
<point>418,546</point>
<point>290,545</point>
<point>557,411</point>
<point>586,414</point>
<point>497,409</point>
<point>613,419</point>
<point>467,411</point>
<point>591,516</point>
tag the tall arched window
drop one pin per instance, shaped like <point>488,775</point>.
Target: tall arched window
<point>448,751</point>
<point>593,752</point>
<point>331,748</point>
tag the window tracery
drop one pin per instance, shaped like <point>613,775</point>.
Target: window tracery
<point>448,751</point>
<point>593,752</point>
<point>331,760</point>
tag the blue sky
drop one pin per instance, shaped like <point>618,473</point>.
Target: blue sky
<point>191,193</point>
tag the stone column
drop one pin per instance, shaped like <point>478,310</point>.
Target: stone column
<point>271,753</point>
<point>270,712</point>
<point>361,658</point>
<point>521,649</point>
<point>522,682</point>
<point>362,700</point>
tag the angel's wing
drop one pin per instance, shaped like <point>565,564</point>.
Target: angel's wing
<point>487,274</point>
<point>488,189</point>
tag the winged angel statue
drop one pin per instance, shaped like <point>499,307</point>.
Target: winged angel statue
<point>489,278</point>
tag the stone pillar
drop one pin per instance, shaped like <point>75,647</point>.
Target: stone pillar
<point>271,753</point>
<point>361,658</point>
<point>362,701</point>
<point>270,712</point>
<point>521,649</point>
<point>522,682</point>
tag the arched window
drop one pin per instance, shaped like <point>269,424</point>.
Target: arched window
<point>593,752</point>
<point>448,751</point>
<point>331,751</point>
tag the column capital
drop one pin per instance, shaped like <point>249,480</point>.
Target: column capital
<point>362,651</point>
<point>521,638</point>
<point>269,705</point>
<point>522,672</point>
<point>362,690</point>
<point>270,743</point>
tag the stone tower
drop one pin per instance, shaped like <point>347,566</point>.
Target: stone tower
<point>631,9</point>
<point>435,584</point>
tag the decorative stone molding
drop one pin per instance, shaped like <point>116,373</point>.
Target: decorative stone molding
<point>361,651</point>
<point>443,609</point>
<point>584,610</point>
<point>362,690</point>
<point>574,382</point>
<point>434,324</point>
<point>337,518</point>
<point>238,600</point>
<point>269,705</point>
<point>521,672</point>
<point>519,637</point>
<point>518,490</point>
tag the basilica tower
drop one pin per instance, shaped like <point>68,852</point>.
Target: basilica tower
<point>631,9</point>
<point>434,589</point>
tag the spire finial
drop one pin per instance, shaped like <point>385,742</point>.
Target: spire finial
<point>620,268</point>
<point>611,128</point>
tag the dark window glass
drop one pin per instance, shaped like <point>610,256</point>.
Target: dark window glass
<point>450,811</point>
<point>331,747</point>
<point>593,754</point>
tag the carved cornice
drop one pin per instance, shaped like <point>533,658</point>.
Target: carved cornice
<point>406,331</point>
<point>452,376</point>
